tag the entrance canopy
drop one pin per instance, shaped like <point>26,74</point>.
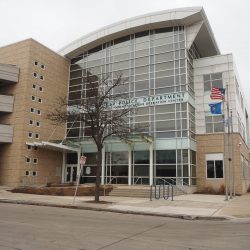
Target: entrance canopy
<point>54,146</point>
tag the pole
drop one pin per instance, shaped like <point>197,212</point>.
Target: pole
<point>226,144</point>
<point>77,183</point>
<point>232,175</point>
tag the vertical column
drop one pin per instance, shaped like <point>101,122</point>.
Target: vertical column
<point>129,164</point>
<point>63,167</point>
<point>103,165</point>
<point>78,163</point>
<point>151,164</point>
<point>189,166</point>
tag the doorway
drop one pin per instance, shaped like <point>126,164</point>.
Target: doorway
<point>71,173</point>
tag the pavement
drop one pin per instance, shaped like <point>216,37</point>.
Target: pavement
<point>189,206</point>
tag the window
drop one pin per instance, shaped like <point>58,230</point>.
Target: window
<point>30,135</point>
<point>214,165</point>
<point>31,122</point>
<point>32,110</point>
<point>41,77</point>
<point>35,74</point>
<point>29,147</point>
<point>41,89</point>
<point>33,98</point>
<point>38,124</point>
<point>35,148</point>
<point>212,80</point>
<point>38,112</point>
<point>35,160</point>
<point>34,173</point>
<point>34,86</point>
<point>40,100</point>
<point>214,123</point>
<point>37,136</point>
<point>36,63</point>
<point>42,66</point>
<point>27,173</point>
<point>27,160</point>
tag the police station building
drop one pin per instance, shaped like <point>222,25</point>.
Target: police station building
<point>171,62</point>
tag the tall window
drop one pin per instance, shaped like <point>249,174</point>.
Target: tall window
<point>214,123</point>
<point>212,80</point>
<point>214,165</point>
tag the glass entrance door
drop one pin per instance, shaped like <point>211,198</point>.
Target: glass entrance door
<point>71,173</point>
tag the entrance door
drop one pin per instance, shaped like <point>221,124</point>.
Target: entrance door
<point>71,173</point>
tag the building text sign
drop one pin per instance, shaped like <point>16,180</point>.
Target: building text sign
<point>141,101</point>
<point>150,100</point>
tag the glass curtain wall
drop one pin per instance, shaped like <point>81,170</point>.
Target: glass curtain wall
<point>152,62</point>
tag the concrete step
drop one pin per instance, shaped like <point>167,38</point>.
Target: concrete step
<point>143,192</point>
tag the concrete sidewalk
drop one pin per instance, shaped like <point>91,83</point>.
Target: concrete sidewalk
<point>192,206</point>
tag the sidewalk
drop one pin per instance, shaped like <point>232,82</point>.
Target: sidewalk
<point>192,206</point>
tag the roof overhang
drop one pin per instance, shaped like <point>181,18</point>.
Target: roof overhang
<point>53,146</point>
<point>167,18</point>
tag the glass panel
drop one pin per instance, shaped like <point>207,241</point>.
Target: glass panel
<point>219,169</point>
<point>166,170</point>
<point>210,169</point>
<point>165,156</point>
<point>91,158</point>
<point>71,158</point>
<point>120,157</point>
<point>141,157</point>
<point>141,170</point>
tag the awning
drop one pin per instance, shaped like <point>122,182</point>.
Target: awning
<point>53,146</point>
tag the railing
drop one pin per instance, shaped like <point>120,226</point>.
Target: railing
<point>173,182</point>
<point>140,180</point>
<point>117,180</point>
<point>157,191</point>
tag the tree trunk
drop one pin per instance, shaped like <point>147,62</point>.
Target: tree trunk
<point>98,174</point>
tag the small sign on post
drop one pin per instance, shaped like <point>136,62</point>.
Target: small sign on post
<point>82,162</point>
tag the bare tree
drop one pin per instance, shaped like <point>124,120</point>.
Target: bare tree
<point>104,110</point>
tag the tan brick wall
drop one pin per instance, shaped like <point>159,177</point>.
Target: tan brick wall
<point>214,143</point>
<point>13,156</point>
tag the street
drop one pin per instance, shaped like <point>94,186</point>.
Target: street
<point>35,227</point>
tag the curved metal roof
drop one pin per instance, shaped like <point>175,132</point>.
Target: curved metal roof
<point>167,18</point>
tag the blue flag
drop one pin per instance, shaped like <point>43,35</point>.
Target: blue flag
<point>215,108</point>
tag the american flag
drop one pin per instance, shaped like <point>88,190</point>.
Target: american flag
<point>217,93</point>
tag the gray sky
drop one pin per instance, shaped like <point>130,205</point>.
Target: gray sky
<point>55,23</point>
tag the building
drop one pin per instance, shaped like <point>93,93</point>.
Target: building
<point>32,77</point>
<point>172,61</point>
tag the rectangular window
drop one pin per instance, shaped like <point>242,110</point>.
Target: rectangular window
<point>214,165</point>
<point>34,173</point>
<point>212,80</point>
<point>214,123</point>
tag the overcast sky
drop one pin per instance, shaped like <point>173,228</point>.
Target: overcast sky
<point>55,23</point>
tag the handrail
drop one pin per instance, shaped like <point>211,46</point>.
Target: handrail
<point>138,180</point>
<point>185,183</point>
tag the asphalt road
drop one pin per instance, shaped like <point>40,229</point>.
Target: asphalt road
<point>33,227</point>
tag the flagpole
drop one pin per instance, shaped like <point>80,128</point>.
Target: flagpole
<point>225,146</point>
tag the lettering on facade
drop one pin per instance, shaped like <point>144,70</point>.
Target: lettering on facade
<point>150,100</point>
<point>141,101</point>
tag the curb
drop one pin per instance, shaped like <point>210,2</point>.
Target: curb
<point>176,216</point>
